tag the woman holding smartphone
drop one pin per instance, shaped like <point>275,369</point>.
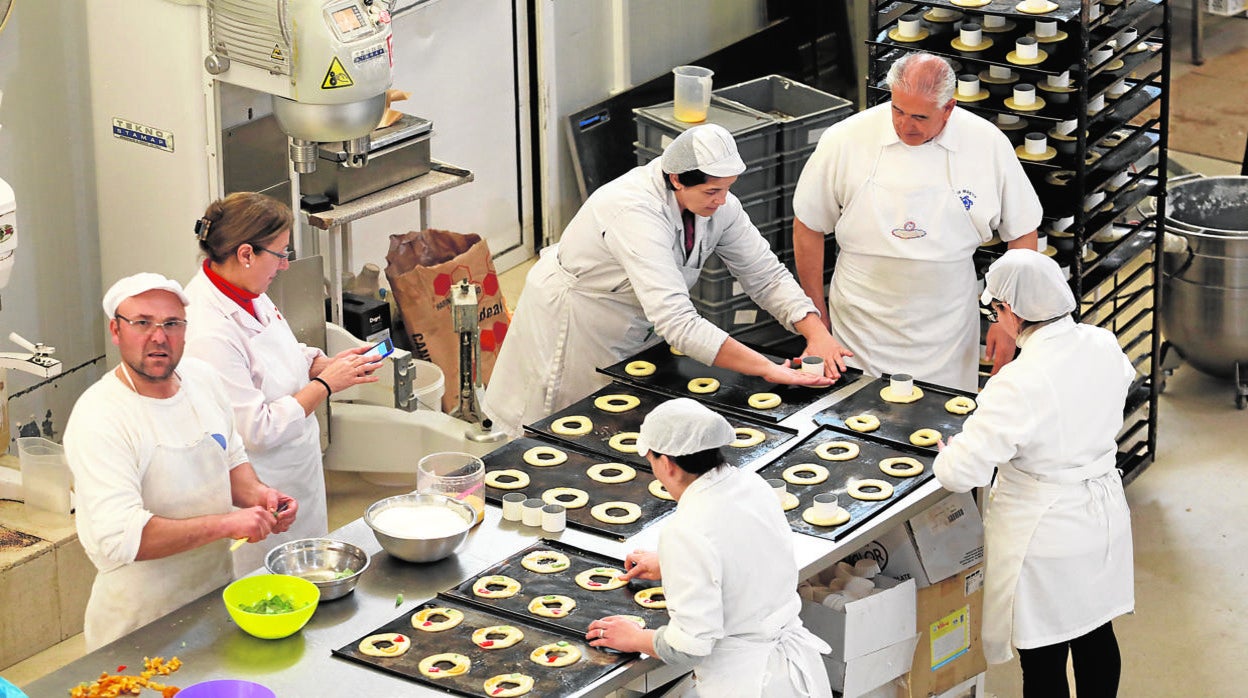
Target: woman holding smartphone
<point>274,381</point>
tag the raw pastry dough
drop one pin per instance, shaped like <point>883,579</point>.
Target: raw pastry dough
<point>764,401</point>
<point>863,422</point>
<point>616,403</point>
<point>523,684</point>
<point>572,425</point>
<point>544,455</point>
<point>552,606</point>
<point>645,598</point>
<point>641,622</point>
<point>398,644</point>
<point>617,442</point>
<point>600,512</point>
<point>585,580</point>
<point>510,636</point>
<point>836,518</point>
<point>561,653</point>
<point>818,474</point>
<point>639,368</point>
<point>887,395</point>
<point>960,404</point>
<point>658,490</point>
<point>856,490</point>
<point>904,466</point>
<point>459,665</point>
<point>703,386</point>
<point>790,501</point>
<point>579,497</point>
<point>421,620</point>
<point>675,351</point>
<point>481,587</point>
<point>748,436</point>
<point>597,473</point>
<point>925,437</point>
<point>493,479</point>
<point>849,450</point>
<point>545,561</point>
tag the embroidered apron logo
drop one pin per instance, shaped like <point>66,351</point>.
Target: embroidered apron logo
<point>909,231</point>
<point>967,197</point>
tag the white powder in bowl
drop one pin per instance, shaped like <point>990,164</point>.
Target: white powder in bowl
<point>420,522</point>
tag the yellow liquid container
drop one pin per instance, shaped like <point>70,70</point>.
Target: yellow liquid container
<point>454,474</point>
<point>692,96</point>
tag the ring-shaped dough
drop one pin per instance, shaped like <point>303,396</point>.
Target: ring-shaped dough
<point>494,479</point>
<point>616,403</point>
<point>960,404</point>
<point>597,473</point>
<point>572,425</point>
<point>748,436</point>
<point>857,490</point>
<point>399,644</point>
<point>925,437</point>
<point>481,587</point>
<point>639,368</point>
<point>552,606</point>
<point>887,394</point>
<point>645,598</point>
<point>863,422</point>
<point>585,580</point>
<point>836,518</point>
<point>849,450</point>
<point>617,441</point>
<point>658,490</point>
<point>459,665</point>
<point>579,497</point>
<point>561,653</point>
<point>675,351</point>
<point>903,466</point>
<point>542,456</point>
<point>790,502</point>
<point>510,636</point>
<point>421,619</point>
<point>764,401</point>
<point>818,474</point>
<point>600,512</point>
<point>545,561</point>
<point>702,386</point>
<point>493,685</point>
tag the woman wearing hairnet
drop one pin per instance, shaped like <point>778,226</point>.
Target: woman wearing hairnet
<point>1057,529</point>
<point>618,281</point>
<point>728,571</point>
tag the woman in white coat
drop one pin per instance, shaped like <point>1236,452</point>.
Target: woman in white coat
<point>619,279</point>
<point>274,382</point>
<point>726,561</point>
<point>1057,529</point>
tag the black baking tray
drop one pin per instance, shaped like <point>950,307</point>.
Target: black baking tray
<point>571,473</point>
<point>898,420</point>
<point>608,424</point>
<point>547,681</point>
<point>841,474</point>
<point>590,605</point>
<point>672,374</point>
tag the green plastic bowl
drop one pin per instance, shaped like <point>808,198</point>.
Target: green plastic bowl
<point>304,595</point>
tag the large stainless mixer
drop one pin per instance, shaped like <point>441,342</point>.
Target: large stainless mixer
<point>1204,308</point>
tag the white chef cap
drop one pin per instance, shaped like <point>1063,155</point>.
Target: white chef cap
<point>1031,283</point>
<point>708,147</point>
<point>683,426</point>
<point>140,283</point>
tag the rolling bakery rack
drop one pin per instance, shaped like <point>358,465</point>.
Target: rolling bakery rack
<point>1109,151</point>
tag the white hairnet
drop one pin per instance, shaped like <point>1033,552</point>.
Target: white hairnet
<point>708,147</point>
<point>140,283</point>
<point>683,426</point>
<point>1031,283</point>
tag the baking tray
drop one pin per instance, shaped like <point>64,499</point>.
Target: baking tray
<point>608,424</point>
<point>672,374</point>
<point>841,474</point>
<point>590,605</point>
<point>547,681</point>
<point>572,474</point>
<point>897,420</point>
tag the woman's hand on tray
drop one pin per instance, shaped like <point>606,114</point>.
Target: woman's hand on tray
<point>620,633</point>
<point>641,564</point>
<point>833,353</point>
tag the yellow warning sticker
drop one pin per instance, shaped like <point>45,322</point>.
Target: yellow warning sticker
<point>277,54</point>
<point>336,76</point>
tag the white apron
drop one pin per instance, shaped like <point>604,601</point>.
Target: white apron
<point>294,468</point>
<point>181,482</point>
<point>562,333</point>
<point>1017,504</point>
<point>789,666</point>
<point>889,302</point>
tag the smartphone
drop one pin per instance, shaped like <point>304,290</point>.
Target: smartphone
<point>380,350</point>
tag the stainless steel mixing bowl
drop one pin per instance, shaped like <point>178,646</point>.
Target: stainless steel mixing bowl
<point>320,561</point>
<point>415,548</point>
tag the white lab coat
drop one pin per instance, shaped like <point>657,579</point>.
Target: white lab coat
<point>617,282</point>
<point>730,580</point>
<point>1058,530</point>
<point>134,457</point>
<point>263,365</point>
<point>907,220</point>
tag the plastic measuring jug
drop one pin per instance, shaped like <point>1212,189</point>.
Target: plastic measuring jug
<point>693,93</point>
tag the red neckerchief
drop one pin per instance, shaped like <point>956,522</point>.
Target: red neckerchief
<point>241,296</point>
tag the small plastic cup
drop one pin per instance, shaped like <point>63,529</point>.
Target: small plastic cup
<point>532,512</point>
<point>909,26</point>
<point>1024,94</point>
<point>1027,48</point>
<point>457,475</point>
<point>513,506</point>
<point>971,34</point>
<point>901,384</point>
<point>826,503</point>
<point>968,85</point>
<point>1036,144</point>
<point>554,518</point>
<point>812,364</point>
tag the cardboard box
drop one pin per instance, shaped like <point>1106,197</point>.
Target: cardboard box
<point>949,651</point>
<point>945,539</point>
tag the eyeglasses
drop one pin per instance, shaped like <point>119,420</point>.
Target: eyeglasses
<point>148,327</point>
<point>280,255</point>
<point>994,307</point>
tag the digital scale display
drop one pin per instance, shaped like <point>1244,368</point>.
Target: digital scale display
<point>348,21</point>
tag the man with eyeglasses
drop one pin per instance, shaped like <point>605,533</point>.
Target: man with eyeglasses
<point>162,479</point>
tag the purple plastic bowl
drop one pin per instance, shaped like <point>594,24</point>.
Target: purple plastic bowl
<point>226,688</point>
